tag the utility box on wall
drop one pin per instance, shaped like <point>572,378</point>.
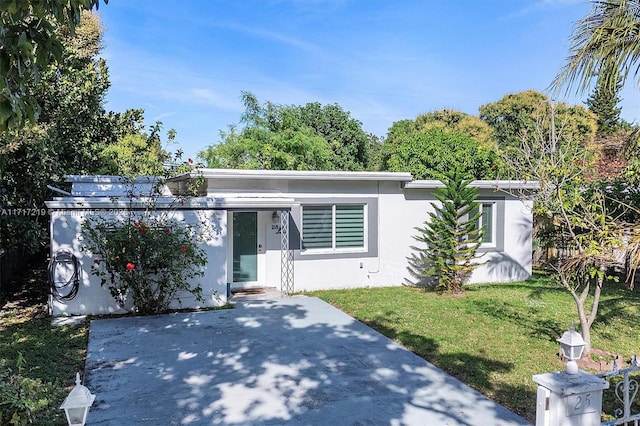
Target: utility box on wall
<point>569,399</point>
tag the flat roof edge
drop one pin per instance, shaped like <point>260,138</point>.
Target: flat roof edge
<point>296,175</point>
<point>481,184</point>
<point>170,203</point>
<point>110,179</point>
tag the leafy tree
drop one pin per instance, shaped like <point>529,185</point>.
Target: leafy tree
<point>309,137</point>
<point>291,149</point>
<point>430,152</point>
<point>450,237</point>
<point>137,154</point>
<point>349,142</point>
<point>575,214</point>
<point>459,122</point>
<point>71,132</point>
<point>604,44</point>
<point>521,116</point>
<point>31,41</point>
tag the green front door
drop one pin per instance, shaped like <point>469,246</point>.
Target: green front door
<point>245,247</point>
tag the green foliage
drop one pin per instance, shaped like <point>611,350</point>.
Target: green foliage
<point>280,137</point>
<point>349,142</point>
<point>136,154</point>
<point>149,257</point>
<point>450,236</point>
<point>150,260</point>
<point>432,151</point>
<point>604,44</point>
<point>524,116</point>
<point>291,149</point>
<point>72,131</point>
<point>458,122</point>
<point>30,40</point>
<point>573,214</point>
<point>70,125</point>
<point>603,103</point>
<point>17,396</point>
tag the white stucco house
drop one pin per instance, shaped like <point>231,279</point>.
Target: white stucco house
<point>296,230</point>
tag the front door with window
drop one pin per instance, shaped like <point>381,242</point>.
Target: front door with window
<point>247,259</point>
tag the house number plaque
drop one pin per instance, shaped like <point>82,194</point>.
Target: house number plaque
<point>580,404</point>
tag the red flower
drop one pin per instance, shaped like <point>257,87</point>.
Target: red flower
<point>190,161</point>
<point>136,224</point>
<point>167,230</point>
<point>143,229</point>
<point>183,249</point>
<point>96,261</point>
<point>131,266</point>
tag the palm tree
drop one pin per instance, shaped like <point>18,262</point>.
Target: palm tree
<point>605,44</point>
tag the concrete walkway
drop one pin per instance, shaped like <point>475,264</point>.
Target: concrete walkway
<point>270,361</point>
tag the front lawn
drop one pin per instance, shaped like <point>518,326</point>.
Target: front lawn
<point>52,356</point>
<point>496,336</point>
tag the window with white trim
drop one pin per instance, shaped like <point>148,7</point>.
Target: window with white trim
<point>487,222</point>
<point>333,227</point>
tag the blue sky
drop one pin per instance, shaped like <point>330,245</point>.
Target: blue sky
<point>186,62</point>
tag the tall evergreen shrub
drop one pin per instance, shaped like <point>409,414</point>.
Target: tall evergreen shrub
<point>450,237</point>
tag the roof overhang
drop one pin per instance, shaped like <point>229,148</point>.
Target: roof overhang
<point>196,203</point>
<point>497,185</point>
<point>302,175</point>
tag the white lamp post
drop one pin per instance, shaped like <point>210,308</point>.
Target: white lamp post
<point>76,404</point>
<point>572,345</point>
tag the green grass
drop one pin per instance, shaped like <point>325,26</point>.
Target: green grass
<point>51,354</point>
<point>496,336</point>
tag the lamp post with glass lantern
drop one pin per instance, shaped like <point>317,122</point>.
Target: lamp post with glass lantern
<point>572,345</point>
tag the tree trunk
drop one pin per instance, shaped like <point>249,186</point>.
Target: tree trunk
<point>587,321</point>
<point>585,326</point>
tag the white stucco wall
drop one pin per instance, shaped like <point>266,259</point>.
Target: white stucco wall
<point>393,212</point>
<point>514,261</point>
<point>92,298</point>
<point>399,213</point>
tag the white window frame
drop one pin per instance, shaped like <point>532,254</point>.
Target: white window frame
<point>333,248</point>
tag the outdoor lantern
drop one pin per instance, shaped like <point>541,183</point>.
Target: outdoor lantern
<point>572,345</point>
<point>76,404</point>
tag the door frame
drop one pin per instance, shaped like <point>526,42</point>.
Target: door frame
<point>260,252</point>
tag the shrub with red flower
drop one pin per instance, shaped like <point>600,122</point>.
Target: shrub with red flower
<point>146,262</point>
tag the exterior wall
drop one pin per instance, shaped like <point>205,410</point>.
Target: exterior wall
<point>335,270</point>
<point>392,213</point>
<point>92,298</point>
<point>513,261</point>
<point>399,212</point>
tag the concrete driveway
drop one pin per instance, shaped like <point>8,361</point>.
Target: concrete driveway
<point>295,361</point>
